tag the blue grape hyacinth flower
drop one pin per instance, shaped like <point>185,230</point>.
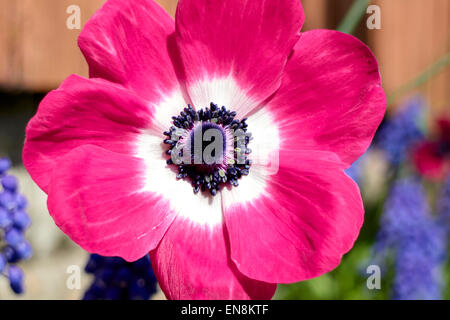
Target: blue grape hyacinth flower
<point>402,130</point>
<point>443,205</point>
<point>14,221</point>
<point>117,279</point>
<point>415,239</point>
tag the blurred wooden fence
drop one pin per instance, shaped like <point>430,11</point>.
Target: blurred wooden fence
<point>37,51</point>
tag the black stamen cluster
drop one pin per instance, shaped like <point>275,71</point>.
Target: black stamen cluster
<point>212,177</point>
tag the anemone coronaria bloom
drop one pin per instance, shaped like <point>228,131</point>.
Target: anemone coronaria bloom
<point>312,102</point>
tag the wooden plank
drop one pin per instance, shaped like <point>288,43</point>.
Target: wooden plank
<point>49,48</point>
<point>324,14</point>
<point>315,14</point>
<point>10,42</point>
<point>414,35</point>
<point>37,50</point>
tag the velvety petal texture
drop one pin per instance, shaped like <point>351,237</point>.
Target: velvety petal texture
<point>97,197</point>
<point>130,42</point>
<point>331,97</point>
<point>82,111</point>
<point>234,51</point>
<point>193,262</point>
<point>308,216</point>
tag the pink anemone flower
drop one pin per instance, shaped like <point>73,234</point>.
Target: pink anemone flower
<point>312,101</point>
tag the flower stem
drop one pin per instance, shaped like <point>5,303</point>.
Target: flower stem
<point>353,17</point>
<point>431,71</point>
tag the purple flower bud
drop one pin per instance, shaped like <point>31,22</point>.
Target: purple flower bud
<point>5,164</point>
<point>13,237</point>
<point>10,183</point>
<point>16,276</point>
<point>3,262</point>
<point>21,220</point>
<point>5,219</point>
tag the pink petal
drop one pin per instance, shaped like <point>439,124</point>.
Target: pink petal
<point>81,112</point>
<point>192,262</point>
<point>308,217</point>
<point>331,96</point>
<point>234,51</point>
<point>98,198</point>
<point>130,42</point>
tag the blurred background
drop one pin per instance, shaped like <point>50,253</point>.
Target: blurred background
<point>38,51</point>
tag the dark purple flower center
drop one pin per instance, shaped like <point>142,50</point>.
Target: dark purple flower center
<point>214,134</point>
<point>209,147</point>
